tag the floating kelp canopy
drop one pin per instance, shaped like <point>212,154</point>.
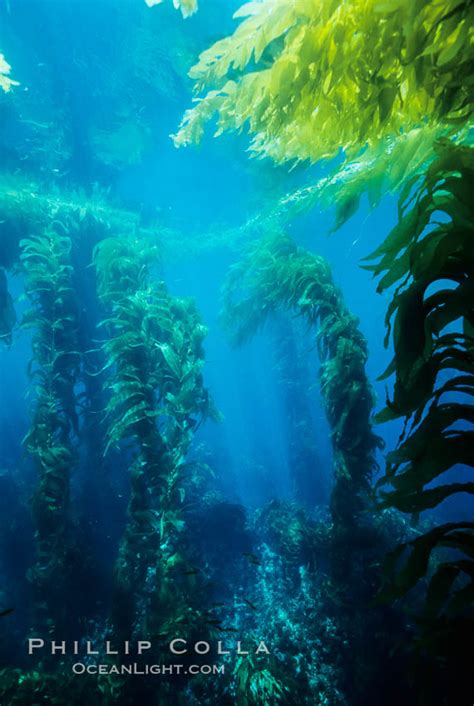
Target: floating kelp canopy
<point>378,84</point>
<point>309,78</point>
<point>28,205</point>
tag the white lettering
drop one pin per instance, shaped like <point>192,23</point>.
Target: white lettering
<point>34,643</point>
<point>202,650</point>
<point>239,649</point>
<point>143,645</point>
<point>262,648</point>
<point>174,650</point>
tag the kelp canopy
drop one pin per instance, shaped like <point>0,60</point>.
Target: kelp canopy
<point>311,77</point>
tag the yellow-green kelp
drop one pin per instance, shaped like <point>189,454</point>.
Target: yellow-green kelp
<point>308,78</point>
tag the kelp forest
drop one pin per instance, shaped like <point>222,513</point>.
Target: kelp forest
<point>237,342</point>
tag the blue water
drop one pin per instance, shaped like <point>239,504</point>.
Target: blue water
<point>199,191</point>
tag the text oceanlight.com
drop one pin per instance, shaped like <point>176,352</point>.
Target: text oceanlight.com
<point>148,669</point>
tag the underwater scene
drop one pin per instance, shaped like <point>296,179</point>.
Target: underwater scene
<point>236,353</point>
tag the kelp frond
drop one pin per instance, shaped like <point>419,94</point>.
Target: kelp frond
<point>309,77</point>
<point>257,685</point>
<point>390,167</point>
<point>429,256</point>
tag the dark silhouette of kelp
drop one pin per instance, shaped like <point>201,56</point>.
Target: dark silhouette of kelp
<point>429,256</point>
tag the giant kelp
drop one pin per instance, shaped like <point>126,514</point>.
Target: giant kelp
<point>150,383</point>
<point>26,210</point>
<point>387,85</point>
<point>277,274</point>
<point>151,409</point>
<point>429,257</point>
<point>55,364</point>
<point>153,350</point>
<point>310,78</point>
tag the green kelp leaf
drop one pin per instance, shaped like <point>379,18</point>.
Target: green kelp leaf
<point>396,242</point>
<point>442,593</point>
<point>440,587</point>
<point>172,359</point>
<point>463,599</point>
<point>174,560</point>
<point>447,306</point>
<point>438,456</point>
<point>175,521</point>
<point>438,418</point>
<point>415,565</point>
<point>123,427</point>
<point>416,501</point>
<point>387,414</point>
<point>185,400</point>
<point>345,209</point>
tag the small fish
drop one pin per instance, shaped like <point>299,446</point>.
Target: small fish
<point>6,612</point>
<point>249,603</point>
<point>252,558</point>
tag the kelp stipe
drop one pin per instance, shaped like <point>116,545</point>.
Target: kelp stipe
<point>277,274</point>
<point>46,262</point>
<point>429,256</point>
<point>154,355</point>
